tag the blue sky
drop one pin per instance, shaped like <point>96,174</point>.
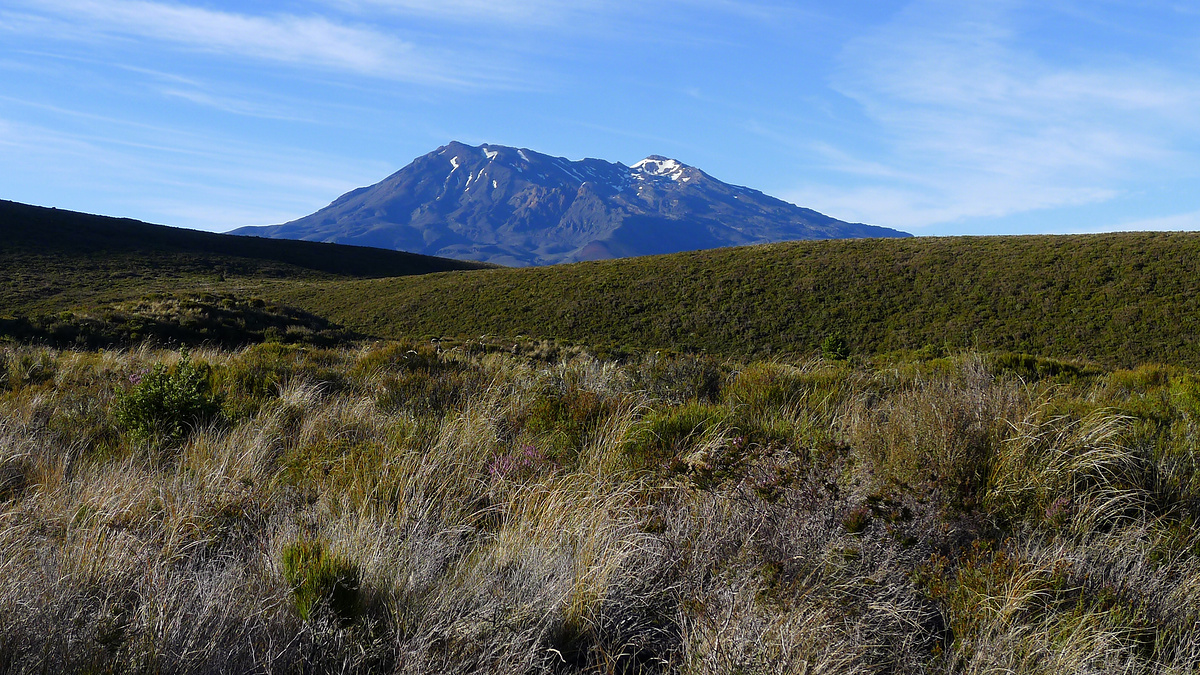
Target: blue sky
<point>933,117</point>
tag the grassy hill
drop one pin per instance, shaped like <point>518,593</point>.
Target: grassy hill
<point>1117,299</point>
<point>52,260</point>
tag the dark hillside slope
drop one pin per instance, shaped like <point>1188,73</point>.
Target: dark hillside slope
<point>50,258</point>
<point>1118,299</point>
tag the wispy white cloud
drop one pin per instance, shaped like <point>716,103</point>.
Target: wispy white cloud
<point>174,177</point>
<point>912,208</point>
<point>534,13</point>
<point>308,41</point>
<point>232,105</point>
<point>977,122</point>
<point>634,18</point>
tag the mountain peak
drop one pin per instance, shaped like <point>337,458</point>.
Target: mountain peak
<point>657,165</point>
<point>512,206</point>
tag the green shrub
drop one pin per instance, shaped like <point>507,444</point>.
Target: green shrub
<point>323,584</point>
<point>1185,390</point>
<point>834,347</point>
<point>165,404</point>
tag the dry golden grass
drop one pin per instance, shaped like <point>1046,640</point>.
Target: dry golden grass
<point>511,514</point>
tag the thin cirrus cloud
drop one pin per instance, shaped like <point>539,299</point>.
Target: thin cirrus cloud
<point>306,41</point>
<point>534,13</point>
<point>163,175</point>
<point>228,104</point>
<point>572,16</point>
<point>976,123</point>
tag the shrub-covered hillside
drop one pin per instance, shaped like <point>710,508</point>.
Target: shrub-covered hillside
<point>1117,299</point>
<point>1120,299</point>
<point>521,508</point>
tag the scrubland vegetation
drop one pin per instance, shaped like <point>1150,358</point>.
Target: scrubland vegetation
<point>53,261</point>
<point>1117,299</point>
<point>524,508</point>
<point>74,280</point>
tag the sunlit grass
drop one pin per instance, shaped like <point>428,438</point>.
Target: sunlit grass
<point>424,508</point>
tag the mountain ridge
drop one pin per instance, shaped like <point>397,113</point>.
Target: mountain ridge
<point>519,207</point>
<point>58,258</point>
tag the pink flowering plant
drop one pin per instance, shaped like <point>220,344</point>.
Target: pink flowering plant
<point>523,462</point>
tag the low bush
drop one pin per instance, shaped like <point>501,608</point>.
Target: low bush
<point>165,404</point>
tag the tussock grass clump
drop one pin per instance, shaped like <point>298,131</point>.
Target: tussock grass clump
<point>321,581</point>
<point>431,508</point>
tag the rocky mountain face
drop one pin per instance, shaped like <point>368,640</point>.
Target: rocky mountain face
<point>517,207</point>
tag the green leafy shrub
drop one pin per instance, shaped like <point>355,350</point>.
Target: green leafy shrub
<point>323,583</point>
<point>834,347</point>
<point>165,404</point>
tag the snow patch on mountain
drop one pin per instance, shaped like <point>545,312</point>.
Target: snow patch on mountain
<point>656,165</point>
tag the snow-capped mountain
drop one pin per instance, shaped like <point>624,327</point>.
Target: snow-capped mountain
<point>515,206</point>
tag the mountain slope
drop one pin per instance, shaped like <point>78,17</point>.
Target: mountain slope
<point>52,259</point>
<point>518,207</point>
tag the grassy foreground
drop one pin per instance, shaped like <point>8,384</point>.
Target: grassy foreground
<point>466,508</point>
